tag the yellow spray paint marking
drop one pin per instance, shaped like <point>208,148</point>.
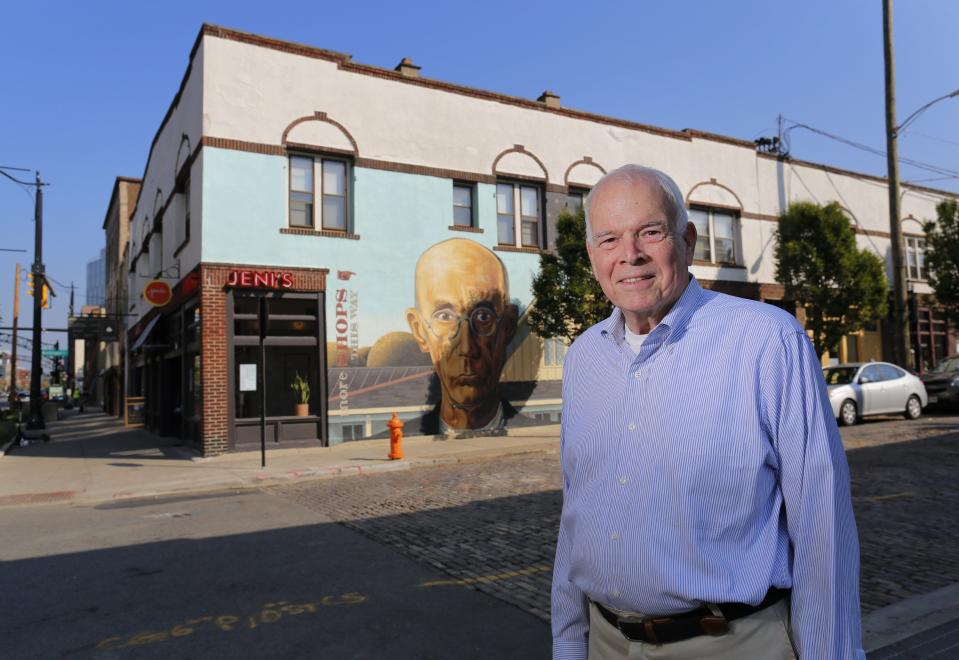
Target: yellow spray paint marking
<point>893,496</point>
<point>532,570</point>
<point>269,613</point>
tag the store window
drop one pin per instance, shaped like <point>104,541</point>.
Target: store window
<point>518,214</point>
<point>463,205</point>
<point>717,231</point>
<point>916,257</point>
<point>319,193</point>
<point>287,328</point>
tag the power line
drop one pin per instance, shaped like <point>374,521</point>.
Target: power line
<point>935,169</point>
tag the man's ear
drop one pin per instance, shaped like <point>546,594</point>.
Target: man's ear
<point>417,328</point>
<point>510,314</point>
<point>690,237</point>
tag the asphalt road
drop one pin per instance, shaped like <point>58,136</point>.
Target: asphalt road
<point>450,561</point>
<point>234,576</point>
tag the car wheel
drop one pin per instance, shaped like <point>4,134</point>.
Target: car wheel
<point>848,415</point>
<point>913,407</point>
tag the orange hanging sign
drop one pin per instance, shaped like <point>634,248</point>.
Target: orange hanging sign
<point>157,292</point>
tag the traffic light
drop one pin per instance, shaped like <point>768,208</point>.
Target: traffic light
<point>30,283</point>
<point>45,297</point>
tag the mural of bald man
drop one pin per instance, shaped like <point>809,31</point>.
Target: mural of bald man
<point>463,318</point>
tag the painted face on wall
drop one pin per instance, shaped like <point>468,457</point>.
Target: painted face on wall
<point>638,260</point>
<point>464,320</point>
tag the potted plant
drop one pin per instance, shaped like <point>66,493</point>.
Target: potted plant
<point>301,390</point>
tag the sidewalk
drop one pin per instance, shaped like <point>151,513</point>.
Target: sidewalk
<point>118,463</point>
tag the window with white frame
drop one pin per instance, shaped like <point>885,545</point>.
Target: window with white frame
<point>716,232</point>
<point>916,257</point>
<point>554,352</point>
<point>463,205</point>
<point>319,188</point>
<point>518,213</point>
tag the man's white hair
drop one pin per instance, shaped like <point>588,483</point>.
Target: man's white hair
<point>672,198</point>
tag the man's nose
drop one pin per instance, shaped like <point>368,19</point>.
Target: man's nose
<point>465,342</point>
<point>634,251</point>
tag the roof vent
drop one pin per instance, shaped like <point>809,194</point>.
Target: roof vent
<point>550,99</point>
<point>407,68</point>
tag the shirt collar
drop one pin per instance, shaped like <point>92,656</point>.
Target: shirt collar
<point>614,327</point>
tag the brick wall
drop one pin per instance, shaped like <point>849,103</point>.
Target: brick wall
<point>213,315</point>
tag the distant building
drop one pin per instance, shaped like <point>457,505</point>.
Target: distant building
<point>97,281</point>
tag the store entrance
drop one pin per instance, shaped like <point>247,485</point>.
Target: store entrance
<point>276,344</point>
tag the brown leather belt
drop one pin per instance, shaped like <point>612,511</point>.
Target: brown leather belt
<point>675,628</point>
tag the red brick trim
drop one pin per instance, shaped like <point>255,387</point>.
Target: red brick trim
<point>713,182</point>
<point>328,233</point>
<point>519,149</point>
<point>241,145</point>
<point>472,230</point>
<point>586,160</point>
<point>513,248</point>
<point>407,168</point>
<point>323,117</point>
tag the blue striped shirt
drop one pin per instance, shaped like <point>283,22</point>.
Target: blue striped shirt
<point>707,468</point>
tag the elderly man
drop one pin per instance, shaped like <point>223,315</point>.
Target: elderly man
<point>464,319</point>
<point>706,506</point>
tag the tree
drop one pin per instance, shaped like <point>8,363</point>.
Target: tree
<point>567,298</point>
<point>942,256</point>
<point>841,287</point>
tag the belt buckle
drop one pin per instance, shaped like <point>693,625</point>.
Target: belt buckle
<point>714,625</point>
<point>626,625</point>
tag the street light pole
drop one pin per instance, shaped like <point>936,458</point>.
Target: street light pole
<point>900,322</point>
<point>36,418</point>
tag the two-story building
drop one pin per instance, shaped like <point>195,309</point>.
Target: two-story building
<point>290,193</point>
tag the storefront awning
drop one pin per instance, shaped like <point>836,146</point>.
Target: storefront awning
<point>146,333</point>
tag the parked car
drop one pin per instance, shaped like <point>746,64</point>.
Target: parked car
<point>942,382</point>
<point>859,389</point>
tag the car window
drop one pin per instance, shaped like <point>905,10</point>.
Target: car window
<point>838,375</point>
<point>871,373</point>
<point>889,372</point>
<point>949,364</point>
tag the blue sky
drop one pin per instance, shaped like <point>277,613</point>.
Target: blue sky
<point>84,86</point>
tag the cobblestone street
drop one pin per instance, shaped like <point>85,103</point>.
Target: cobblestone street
<point>491,524</point>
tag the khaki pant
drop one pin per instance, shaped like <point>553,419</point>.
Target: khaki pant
<point>761,636</point>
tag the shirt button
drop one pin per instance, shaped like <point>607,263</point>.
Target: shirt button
<point>614,536</point>
<point>638,374</point>
<point>615,594</point>
<point>631,427</point>
<point>623,480</point>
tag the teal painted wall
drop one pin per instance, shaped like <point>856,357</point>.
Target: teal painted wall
<point>397,216</point>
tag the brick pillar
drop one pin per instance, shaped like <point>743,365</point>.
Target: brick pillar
<point>215,434</point>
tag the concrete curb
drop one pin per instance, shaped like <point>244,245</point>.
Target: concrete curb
<point>909,617</point>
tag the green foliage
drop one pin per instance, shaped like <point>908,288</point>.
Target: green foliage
<point>568,300</point>
<point>841,287</point>
<point>942,256</point>
<point>301,388</point>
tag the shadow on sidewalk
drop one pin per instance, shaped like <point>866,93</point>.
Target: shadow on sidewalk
<point>98,435</point>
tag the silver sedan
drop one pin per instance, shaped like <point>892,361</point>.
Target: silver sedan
<point>858,389</point>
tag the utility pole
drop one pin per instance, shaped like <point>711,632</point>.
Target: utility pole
<point>900,320</point>
<point>36,418</point>
<point>13,348</point>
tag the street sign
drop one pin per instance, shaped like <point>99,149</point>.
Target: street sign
<point>54,352</point>
<point>103,328</point>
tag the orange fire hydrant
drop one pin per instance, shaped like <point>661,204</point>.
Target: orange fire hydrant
<point>396,438</point>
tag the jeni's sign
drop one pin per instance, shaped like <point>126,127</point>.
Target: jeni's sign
<point>262,279</point>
